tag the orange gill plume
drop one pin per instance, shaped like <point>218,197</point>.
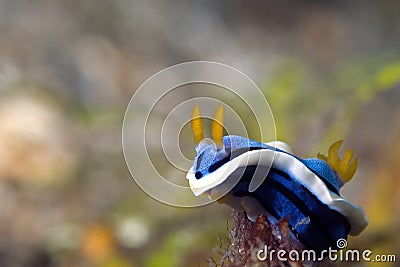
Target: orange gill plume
<point>344,166</point>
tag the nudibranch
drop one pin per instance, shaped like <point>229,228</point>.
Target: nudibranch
<point>306,192</point>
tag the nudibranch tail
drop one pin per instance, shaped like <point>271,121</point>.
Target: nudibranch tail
<point>344,167</point>
<point>217,129</point>
<point>197,125</point>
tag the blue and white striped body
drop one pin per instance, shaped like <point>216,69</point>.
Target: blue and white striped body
<point>304,191</point>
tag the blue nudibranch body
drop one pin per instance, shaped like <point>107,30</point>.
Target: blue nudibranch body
<point>304,191</point>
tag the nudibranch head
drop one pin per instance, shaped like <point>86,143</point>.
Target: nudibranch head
<point>304,191</point>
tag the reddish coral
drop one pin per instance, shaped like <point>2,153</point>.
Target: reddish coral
<point>247,238</point>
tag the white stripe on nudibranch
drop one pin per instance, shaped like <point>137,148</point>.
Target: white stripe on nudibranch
<point>283,161</point>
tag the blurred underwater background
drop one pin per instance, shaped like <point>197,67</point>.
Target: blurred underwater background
<point>329,69</point>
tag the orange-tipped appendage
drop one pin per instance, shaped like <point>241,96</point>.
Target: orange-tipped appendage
<point>217,128</point>
<point>197,125</point>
